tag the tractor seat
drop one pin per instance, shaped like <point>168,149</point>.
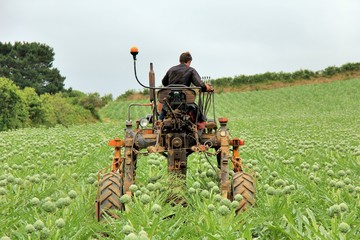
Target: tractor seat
<point>164,93</point>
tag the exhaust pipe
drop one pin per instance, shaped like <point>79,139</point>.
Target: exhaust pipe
<point>152,83</point>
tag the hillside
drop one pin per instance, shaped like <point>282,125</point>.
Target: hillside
<point>273,84</point>
<point>304,100</point>
<point>271,80</point>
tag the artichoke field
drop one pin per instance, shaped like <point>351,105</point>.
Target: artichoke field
<point>303,144</point>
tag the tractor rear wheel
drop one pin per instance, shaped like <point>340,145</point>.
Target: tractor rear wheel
<point>243,184</point>
<point>111,189</point>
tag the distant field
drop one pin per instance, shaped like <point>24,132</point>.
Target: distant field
<point>303,142</point>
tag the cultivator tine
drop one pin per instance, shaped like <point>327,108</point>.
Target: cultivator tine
<point>236,160</point>
<point>117,144</point>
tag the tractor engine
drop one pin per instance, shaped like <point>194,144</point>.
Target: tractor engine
<point>179,131</point>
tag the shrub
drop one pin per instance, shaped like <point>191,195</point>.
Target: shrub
<point>13,112</point>
<point>92,102</point>
<point>330,71</point>
<point>65,112</point>
<point>34,107</point>
<point>350,67</point>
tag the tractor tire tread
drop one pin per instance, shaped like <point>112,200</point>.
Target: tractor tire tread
<point>243,184</point>
<point>111,186</point>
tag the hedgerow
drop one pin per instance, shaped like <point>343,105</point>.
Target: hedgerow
<point>302,74</point>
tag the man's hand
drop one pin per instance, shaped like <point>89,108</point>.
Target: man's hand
<point>209,88</point>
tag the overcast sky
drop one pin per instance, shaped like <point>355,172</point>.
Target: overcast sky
<point>91,38</point>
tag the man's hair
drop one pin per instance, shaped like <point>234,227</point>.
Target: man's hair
<point>185,57</point>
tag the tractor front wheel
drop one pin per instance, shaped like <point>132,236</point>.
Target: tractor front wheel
<point>110,191</point>
<point>243,184</point>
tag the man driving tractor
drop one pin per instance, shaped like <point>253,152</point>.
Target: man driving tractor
<point>183,74</point>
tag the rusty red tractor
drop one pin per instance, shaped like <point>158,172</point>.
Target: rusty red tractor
<point>177,135</point>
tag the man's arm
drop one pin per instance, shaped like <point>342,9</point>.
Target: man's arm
<point>196,80</point>
<point>165,80</point>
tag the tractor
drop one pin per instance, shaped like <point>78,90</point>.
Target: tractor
<point>184,129</point>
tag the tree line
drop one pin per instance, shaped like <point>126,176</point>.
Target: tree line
<point>32,91</point>
<point>301,74</point>
<point>344,71</point>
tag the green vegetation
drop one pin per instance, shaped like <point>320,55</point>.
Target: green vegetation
<point>13,112</point>
<point>32,92</point>
<point>30,65</point>
<point>263,80</point>
<point>346,70</point>
<point>25,108</point>
<point>302,142</point>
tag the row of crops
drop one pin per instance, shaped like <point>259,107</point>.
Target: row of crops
<point>303,143</point>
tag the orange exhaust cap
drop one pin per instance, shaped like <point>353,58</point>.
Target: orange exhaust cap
<point>134,49</point>
<point>223,120</point>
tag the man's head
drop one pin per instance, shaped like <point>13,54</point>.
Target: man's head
<point>186,58</point>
